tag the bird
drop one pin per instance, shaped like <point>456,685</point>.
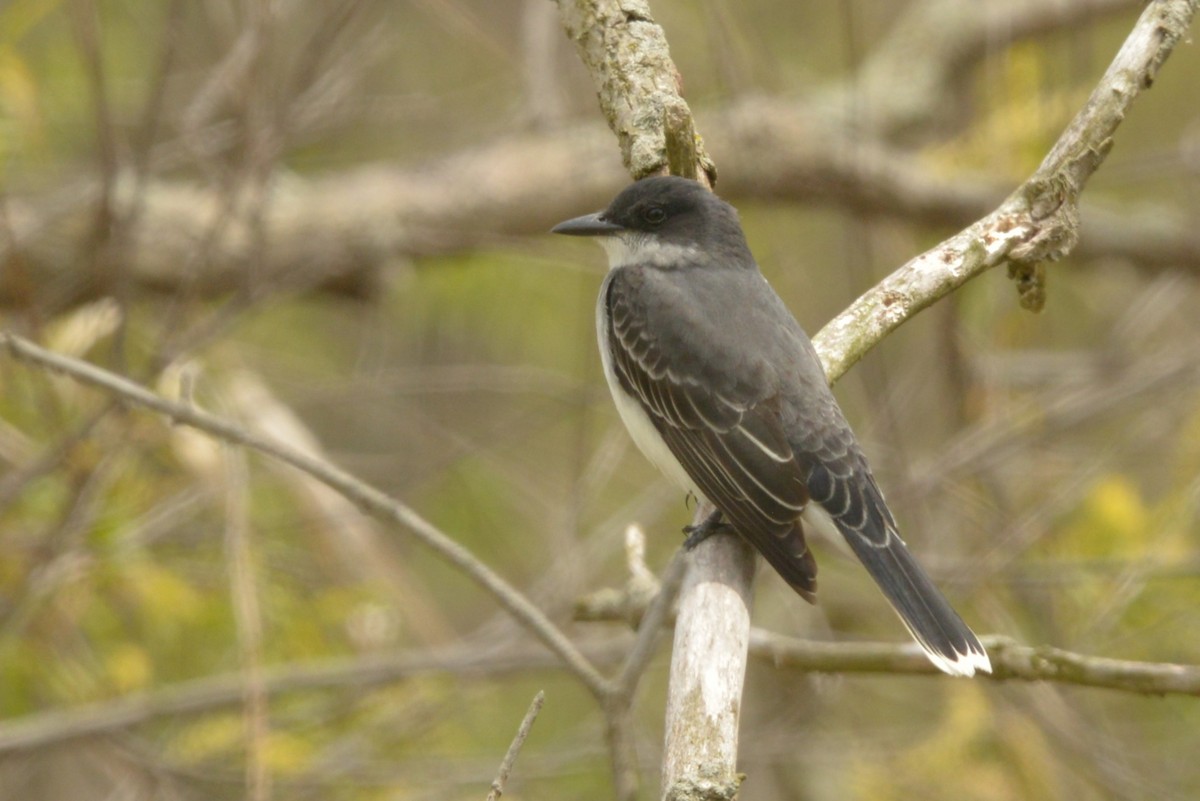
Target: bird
<point>722,390</point>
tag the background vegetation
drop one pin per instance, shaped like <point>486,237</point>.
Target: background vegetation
<point>324,220</point>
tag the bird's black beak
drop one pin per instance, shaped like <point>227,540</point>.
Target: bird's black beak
<point>587,225</point>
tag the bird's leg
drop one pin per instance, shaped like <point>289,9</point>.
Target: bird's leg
<point>713,524</point>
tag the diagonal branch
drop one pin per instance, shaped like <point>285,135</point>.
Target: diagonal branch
<point>510,757</point>
<point>1038,222</point>
<point>365,496</point>
<point>637,84</point>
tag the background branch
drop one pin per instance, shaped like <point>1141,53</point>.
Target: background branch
<point>772,151</point>
<point>1010,662</point>
<point>365,496</point>
<point>215,693</point>
<point>342,232</point>
<point>510,757</point>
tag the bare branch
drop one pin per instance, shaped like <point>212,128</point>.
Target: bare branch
<point>910,80</point>
<point>618,720</point>
<point>362,494</point>
<point>708,668</point>
<point>510,757</point>
<point>772,150</point>
<point>216,693</point>
<point>1010,662</point>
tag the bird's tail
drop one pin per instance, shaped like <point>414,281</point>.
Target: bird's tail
<point>933,623</point>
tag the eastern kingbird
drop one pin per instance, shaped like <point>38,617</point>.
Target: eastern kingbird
<point>722,390</point>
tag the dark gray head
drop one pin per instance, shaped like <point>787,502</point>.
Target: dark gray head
<point>665,221</point>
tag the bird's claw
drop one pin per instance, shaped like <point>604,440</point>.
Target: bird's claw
<point>713,524</point>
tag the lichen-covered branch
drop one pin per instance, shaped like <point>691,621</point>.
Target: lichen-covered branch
<point>1038,222</point>
<point>638,87</point>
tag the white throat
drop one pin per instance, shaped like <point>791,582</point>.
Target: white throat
<point>629,247</point>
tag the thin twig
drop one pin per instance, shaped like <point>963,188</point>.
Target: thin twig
<point>619,728</point>
<point>365,496</point>
<point>16,480</point>
<point>243,590</point>
<point>620,736</point>
<point>652,622</point>
<point>515,748</point>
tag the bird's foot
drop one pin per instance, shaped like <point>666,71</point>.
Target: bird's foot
<point>713,524</point>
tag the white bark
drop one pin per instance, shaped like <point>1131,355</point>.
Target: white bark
<point>708,668</point>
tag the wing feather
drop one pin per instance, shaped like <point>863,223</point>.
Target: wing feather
<point>734,447</point>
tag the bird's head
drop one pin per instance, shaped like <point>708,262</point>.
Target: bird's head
<point>664,221</point>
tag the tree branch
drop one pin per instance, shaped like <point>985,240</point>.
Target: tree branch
<point>341,232</point>
<point>638,87</point>
<point>1010,662</point>
<point>910,80</point>
<point>708,669</point>
<point>1038,222</point>
<point>365,496</point>
<point>215,693</point>
<point>514,749</point>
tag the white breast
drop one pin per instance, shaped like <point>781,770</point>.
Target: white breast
<point>644,434</point>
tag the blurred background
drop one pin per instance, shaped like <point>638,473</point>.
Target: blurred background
<point>326,221</point>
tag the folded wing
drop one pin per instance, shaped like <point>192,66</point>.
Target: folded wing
<point>732,445</point>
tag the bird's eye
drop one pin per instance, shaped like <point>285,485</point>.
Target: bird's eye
<point>654,215</point>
